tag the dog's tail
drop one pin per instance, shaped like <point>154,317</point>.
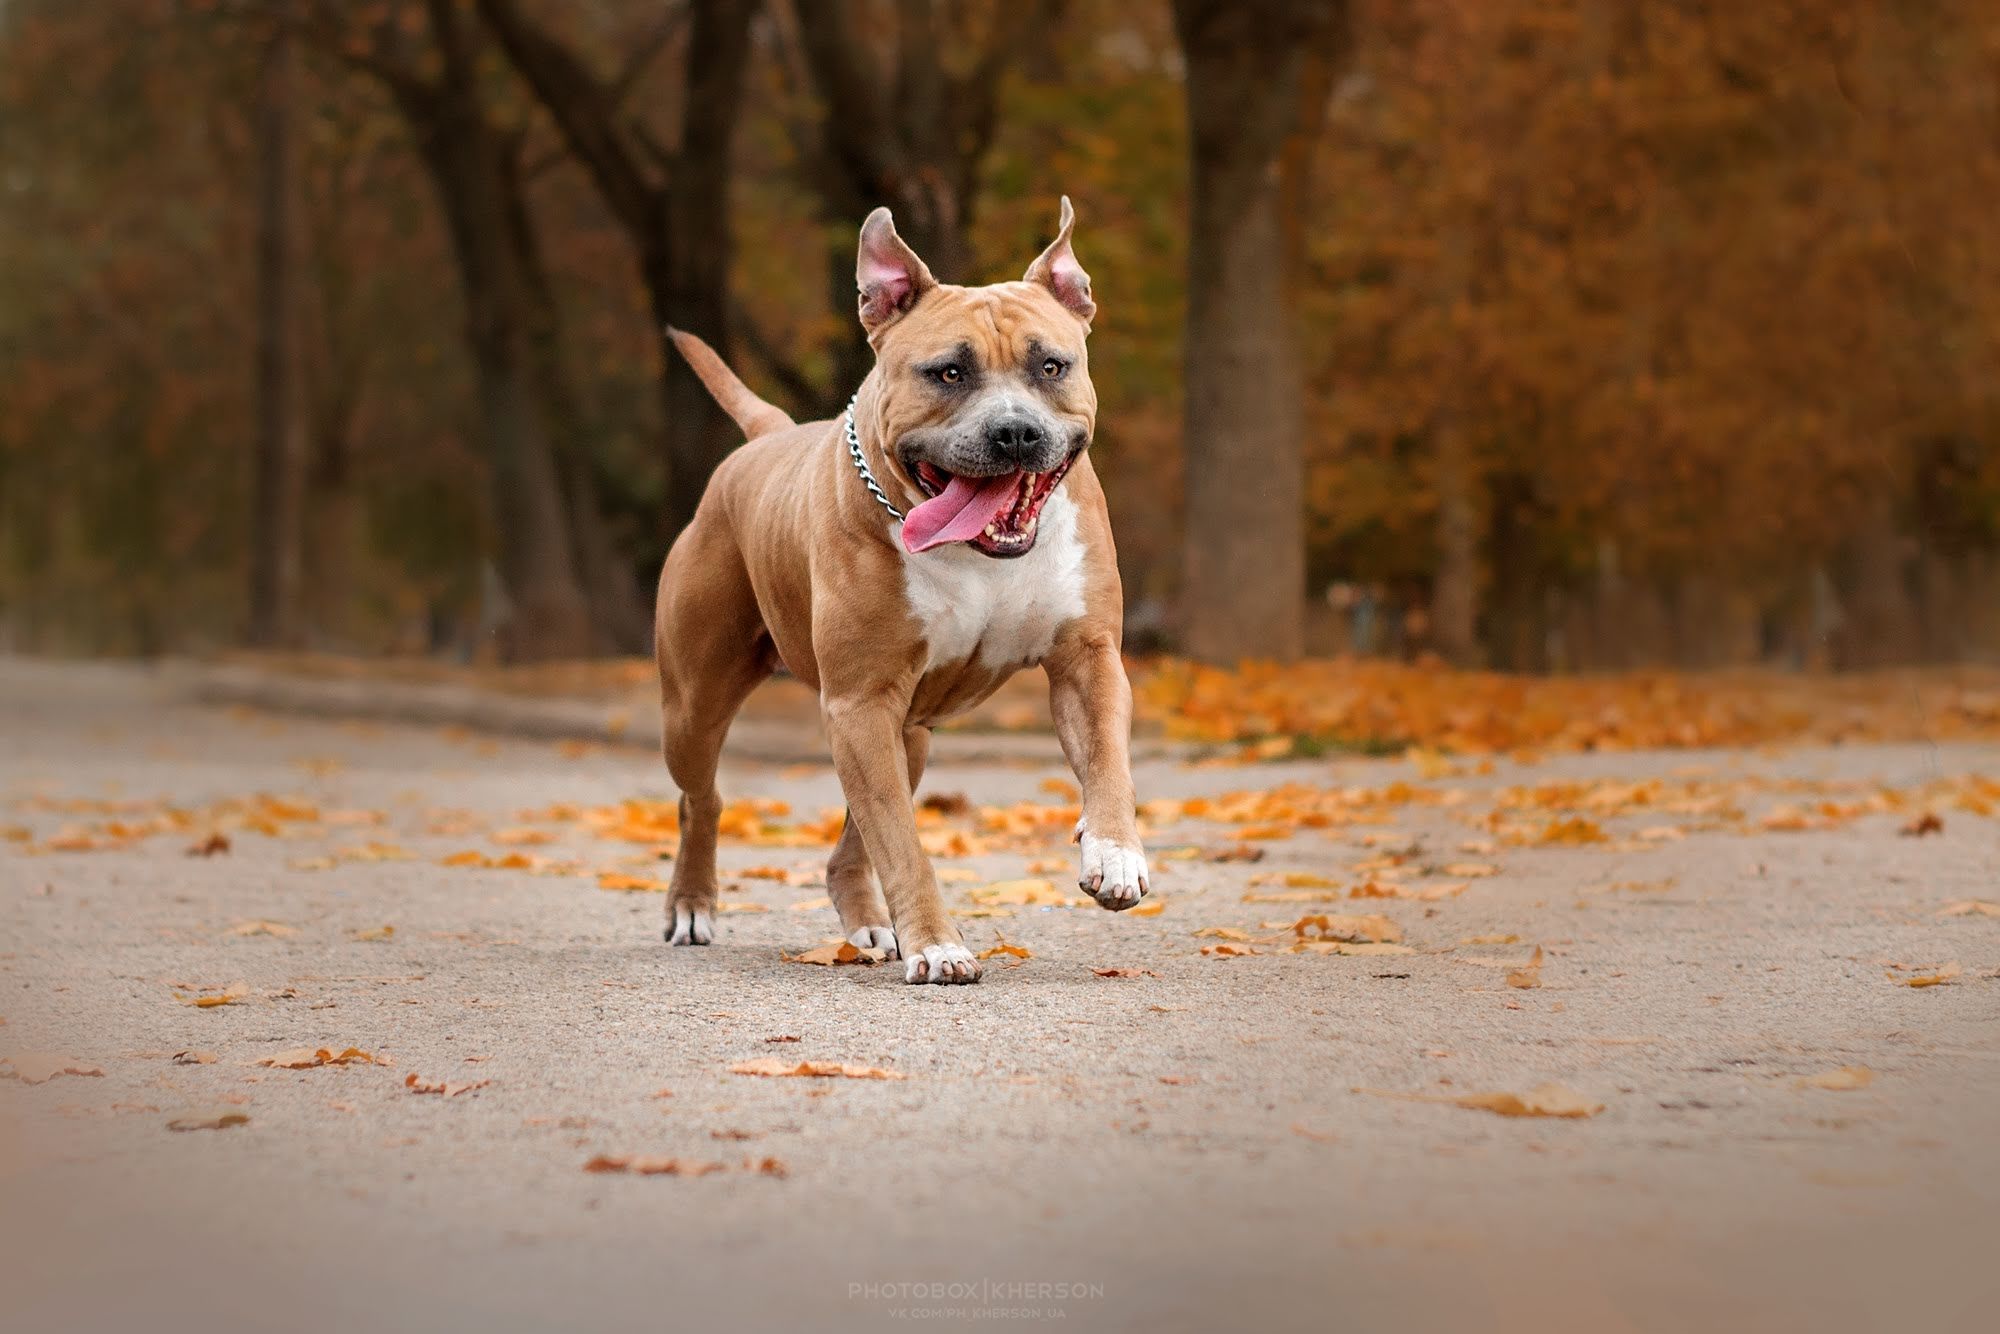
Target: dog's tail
<point>752,413</point>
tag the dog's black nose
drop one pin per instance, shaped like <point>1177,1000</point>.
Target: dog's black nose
<point>1016,439</point>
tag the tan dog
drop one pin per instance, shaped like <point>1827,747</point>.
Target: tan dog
<point>997,556</point>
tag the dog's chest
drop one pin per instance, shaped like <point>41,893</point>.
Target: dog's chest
<point>1004,613</point>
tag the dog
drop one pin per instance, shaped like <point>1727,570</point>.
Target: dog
<point>904,560</point>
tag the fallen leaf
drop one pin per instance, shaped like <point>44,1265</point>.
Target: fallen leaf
<point>1508,939</point>
<point>644,884</point>
<point>1935,979</point>
<point>229,995</point>
<point>1223,933</point>
<point>446,1087</point>
<point>374,933</point>
<point>39,1067</point>
<point>947,803</point>
<point>209,847</point>
<point>1124,972</point>
<point>523,837</point>
<point>1927,823</point>
<point>1020,892</point>
<point>307,1058</point>
<point>771,1167</point>
<point>1002,946</point>
<point>1970,908</point>
<point>194,1058</point>
<point>1227,950</point>
<point>1529,975</point>
<point>1152,906</point>
<point>809,905</point>
<point>1370,927</point>
<point>1845,1079</point>
<point>831,955</point>
<point>221,1119</point>
<point>1232,852</point>
<point>1349,947</point>
<point>262,928</point>
<point>643,1165</point>
<point>1318,1136</point>
<point>1547,1100</point>
<point>1471,870</point>
<point>772,1067</point>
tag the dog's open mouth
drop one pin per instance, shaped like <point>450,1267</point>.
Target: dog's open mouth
<point>998,515</point>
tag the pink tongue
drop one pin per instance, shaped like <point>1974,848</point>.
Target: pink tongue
<point>961,513</point>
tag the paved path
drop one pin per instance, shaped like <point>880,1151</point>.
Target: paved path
<point>1185,1149</point>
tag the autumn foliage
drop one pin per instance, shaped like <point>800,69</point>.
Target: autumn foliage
<point>1631,335</point>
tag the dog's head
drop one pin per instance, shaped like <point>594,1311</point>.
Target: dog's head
<point>983,397</point>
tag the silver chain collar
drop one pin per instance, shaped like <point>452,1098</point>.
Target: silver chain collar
<point>861,464</point>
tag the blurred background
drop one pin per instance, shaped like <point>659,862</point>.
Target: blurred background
<point>1534,334</point>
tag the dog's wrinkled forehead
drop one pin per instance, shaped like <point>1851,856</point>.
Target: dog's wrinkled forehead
<point>1008,327</point>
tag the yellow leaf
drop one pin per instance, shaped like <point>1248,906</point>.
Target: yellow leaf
<point>374,933</point>
<point>1020,892</point>
<point>1936,979</point>
<point>1471,870</point>
<point>640,883</point>
<point>229,995</point>
<point>1845,1079</point>
<point>1223,933</point>
<point>1528,975</point>
<point>261,928</point>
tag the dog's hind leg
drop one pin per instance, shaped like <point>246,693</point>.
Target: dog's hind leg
<point>850,878</point>
<point>712,652</point>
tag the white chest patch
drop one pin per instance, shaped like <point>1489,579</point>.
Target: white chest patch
<point>1005,611</point>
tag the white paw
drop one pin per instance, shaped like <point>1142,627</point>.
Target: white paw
<point>875,938</point>
<point>1113,873</point>
<point>690,926</point>
<point>942,964</point>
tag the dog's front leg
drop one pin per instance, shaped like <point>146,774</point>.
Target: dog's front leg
<point>866,735</point>
<point>1091,702</point>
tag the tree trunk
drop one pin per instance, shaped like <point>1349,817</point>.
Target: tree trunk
<point>1455,591</point>
<point>673,204</point>
<point>1244,595</point>
<point>277,519</point>
<point>467,164</point>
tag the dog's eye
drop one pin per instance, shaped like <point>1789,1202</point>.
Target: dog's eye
<point>1052,369</point>
<point>948,374</point>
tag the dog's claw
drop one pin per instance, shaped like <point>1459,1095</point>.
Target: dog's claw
<point>690,926</point>
<point>876,938</point>
<point>942,964</point>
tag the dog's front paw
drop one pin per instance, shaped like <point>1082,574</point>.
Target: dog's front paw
<point>875,938</point>
<point>1113,873</point>
<point>689,925</point>
<point>942,964</point>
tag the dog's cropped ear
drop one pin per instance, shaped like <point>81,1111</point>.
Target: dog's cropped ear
<point>888,273</point>
<point>1056,269</point>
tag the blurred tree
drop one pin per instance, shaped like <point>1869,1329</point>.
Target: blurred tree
<point>1258,75</point>
<point>673,202</point>
<point>277,514</point>
<point>474,165</point>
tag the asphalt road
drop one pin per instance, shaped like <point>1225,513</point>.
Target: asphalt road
<point>1187,1148</point>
